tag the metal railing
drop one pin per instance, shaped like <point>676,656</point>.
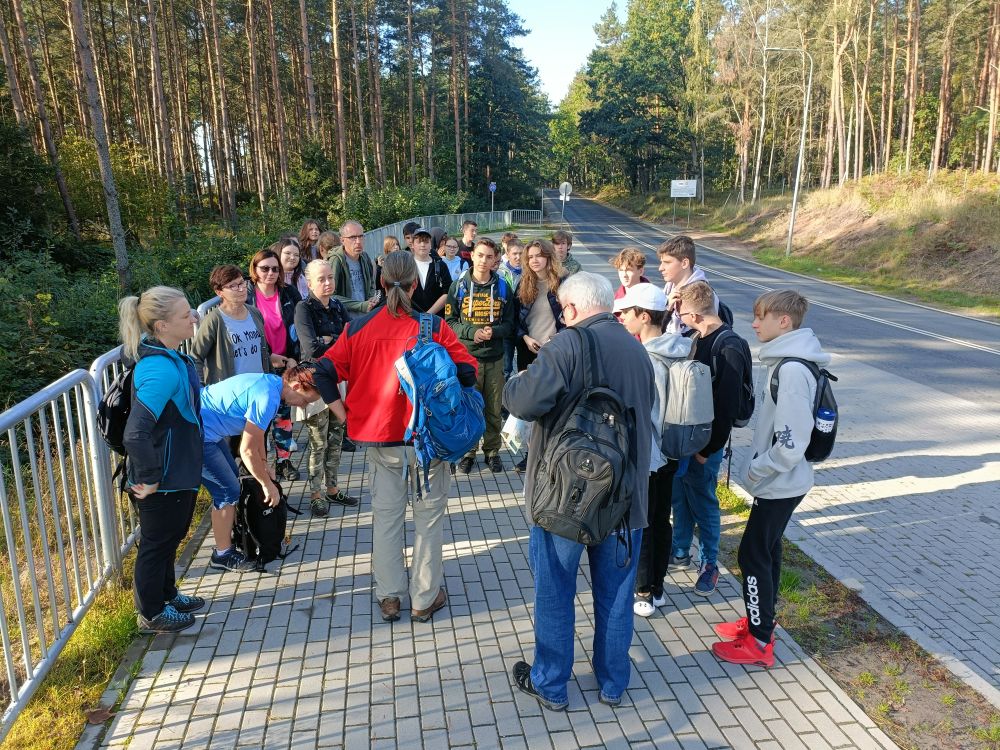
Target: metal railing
<point>60,540</point>
<point>65,530</point>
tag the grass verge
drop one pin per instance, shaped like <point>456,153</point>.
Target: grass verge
<point>55,716</point>
<point>905,690</point>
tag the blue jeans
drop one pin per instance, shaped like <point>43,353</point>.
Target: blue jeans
<point>220,475</point>
<point>508,358</point>
<point>695,502</point>
<point>554,564</point>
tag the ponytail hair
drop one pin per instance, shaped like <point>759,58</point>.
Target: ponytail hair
<point>138,315</point>
<point>399,274</point>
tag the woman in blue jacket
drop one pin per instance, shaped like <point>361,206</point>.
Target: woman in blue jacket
<point>164,446</point>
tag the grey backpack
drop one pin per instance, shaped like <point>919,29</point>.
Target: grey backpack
<point>585,476</point>
<point>687,424</point>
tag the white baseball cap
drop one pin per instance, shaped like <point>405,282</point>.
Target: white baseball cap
<point>646,296</point>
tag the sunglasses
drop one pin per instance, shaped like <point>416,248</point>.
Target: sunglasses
<point>267,269</point>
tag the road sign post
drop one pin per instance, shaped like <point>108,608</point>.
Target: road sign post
<point>493,192</point>
<point>683,189</point>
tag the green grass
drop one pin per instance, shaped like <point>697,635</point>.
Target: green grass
<point>55,716</point>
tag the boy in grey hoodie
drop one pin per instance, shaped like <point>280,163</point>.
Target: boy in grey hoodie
<point>642,310</point>
<point>777,475</point>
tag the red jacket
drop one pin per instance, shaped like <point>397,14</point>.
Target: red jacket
<point>365,355</point>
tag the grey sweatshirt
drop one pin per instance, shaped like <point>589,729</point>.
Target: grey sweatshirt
<point>778,468</point>
<point>663,350</point>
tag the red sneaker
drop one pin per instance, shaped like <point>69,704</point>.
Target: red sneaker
<point>745,650</point>
<point>730,631</point>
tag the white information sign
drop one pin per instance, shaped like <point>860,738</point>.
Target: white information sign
<point>684,188</point>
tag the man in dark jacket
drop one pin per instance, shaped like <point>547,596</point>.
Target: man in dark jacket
<point>543,393</point>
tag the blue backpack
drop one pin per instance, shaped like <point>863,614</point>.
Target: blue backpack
<point>448,419</point>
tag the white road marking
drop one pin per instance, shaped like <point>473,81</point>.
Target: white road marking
<point>854,313</point>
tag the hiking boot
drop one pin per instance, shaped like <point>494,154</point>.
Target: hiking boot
<point>168,621</point>
<point>745,650</point>
<point>185,603</point>
<point>465,465</point>
<point>707,580</point>
<point>521,466</point>
<point>348,445</point>
<point>522,681</point>
<point>286,471</point>
<point>494,463</point>
<point>231,559</point>
<point>319,506</point>
<point>390,608</point>
<point>424,615</point>
<point>342,498</point>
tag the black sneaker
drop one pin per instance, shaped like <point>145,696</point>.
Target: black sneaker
<point>231,559</point>
<point>185,603</point>
<point>168,621</point>
<point>319,506</point>
<point>494,463</point>
<point>342,498</point>
<point>521,466</point>
<point>522,681</point>
<point>465,465</point>
<point>286,471</point>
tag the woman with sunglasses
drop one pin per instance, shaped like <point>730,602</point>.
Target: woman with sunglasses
<point>276,301</point>
<point>230,340</point>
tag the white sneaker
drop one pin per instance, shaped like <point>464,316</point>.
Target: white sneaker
<point>643,607</point>
<point>660,601</point>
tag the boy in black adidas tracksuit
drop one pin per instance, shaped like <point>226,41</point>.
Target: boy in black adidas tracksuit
<point>433,277</point>
<point>777,475</point>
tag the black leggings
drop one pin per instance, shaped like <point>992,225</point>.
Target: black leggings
<point>760,561</point>
<point>658,536</point>
<point>164,518</point>
<point>524,355</point>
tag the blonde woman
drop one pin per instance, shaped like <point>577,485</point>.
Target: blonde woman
<point>163,441</point>
<point>320,319</point>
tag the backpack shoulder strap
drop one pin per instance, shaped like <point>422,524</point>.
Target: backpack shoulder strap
<point>811,366</point>
<point>426,332</point>
<point>717,345</point>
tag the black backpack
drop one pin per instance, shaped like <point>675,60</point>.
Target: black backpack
<point>748,402</point>
<point>113,410</point>
<point>260,530</point>
<point>585,475</point>
<point>824,433</point>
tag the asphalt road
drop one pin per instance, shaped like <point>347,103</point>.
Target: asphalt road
<point>945,351</point>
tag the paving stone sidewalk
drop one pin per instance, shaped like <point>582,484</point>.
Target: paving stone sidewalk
<point>299,657</point>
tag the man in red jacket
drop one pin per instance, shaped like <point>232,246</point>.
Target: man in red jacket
<point>377,415</point>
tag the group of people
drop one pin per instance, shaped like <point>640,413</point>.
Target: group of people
<point>324,352</point>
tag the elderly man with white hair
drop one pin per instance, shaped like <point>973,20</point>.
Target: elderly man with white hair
<point>542,393</point>
<point>353,272</point>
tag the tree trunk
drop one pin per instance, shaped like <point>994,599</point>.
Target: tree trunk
<point>409,93</point>
<point>359,99</point>
<point>253,105</point>
<point>307,69</point>
<point>50,145</point>
<point>454,96</point>
<point>103,149</point>
<point>375,71</point>
<point>338,91</point>
<point>279,104</point>
<point>164,141</point>
<point>12,83</point>
<point>913,59</point>
<point>225,169</point>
